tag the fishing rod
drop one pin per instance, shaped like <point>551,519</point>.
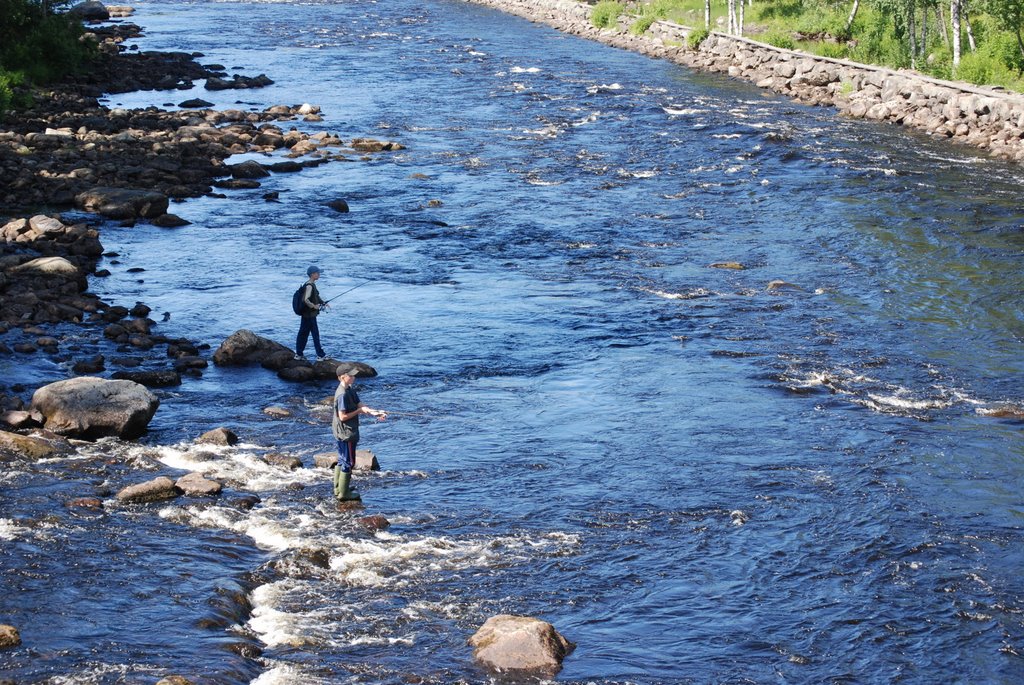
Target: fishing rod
<point>347,291</point>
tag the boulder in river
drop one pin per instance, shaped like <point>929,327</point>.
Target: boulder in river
<point>88,407</point>
<point>155,490</point>
<point>47,266</point>
<point>248,169</point>
<point>520,643</point>
<point>244,347</point>
<point>218,436</point>
<point>9,636</point>
<point>27,446</point>
<point>151,379</point>
<point>123,203</point>
<point>326,460</point>
<point>92,10</point>
<point>197,485</point>
<point>366,461</point>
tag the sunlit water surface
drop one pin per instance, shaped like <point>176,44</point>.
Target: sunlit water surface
<point>694,477</point>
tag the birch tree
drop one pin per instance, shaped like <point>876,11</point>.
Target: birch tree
<point>954,20</point>
<point>853,15</point>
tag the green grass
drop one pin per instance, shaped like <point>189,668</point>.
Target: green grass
<point>606,13</point>
<point>817,27</point>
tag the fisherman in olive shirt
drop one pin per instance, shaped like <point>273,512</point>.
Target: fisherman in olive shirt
<point>345,426</point>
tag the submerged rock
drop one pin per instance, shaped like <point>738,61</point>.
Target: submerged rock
<point>283,460</point>
<point>520,643</point>
<point>89,408</point>
<point>151,379</point>
<point>374,523</point>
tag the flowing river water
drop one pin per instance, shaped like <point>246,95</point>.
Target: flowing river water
<point>696,478</point>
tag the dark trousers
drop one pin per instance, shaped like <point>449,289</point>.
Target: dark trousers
<point>308,325</point>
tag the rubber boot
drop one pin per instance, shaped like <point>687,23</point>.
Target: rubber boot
<point>342,491</point>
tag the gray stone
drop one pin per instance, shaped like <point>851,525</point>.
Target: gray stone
<point>27,446</point>
<point>88,407</point>
<point>123,203</point>
<point>244,347</point>
<point>366,461</point>
<point>218,436</point>
<point>250,169</point>
<point>155,490</point>
<point>197,485</point>
<point>283,460</point>
<point>9,636</point>
<point>90,11</point>
<point>520,643</point>
<point>326,460</point>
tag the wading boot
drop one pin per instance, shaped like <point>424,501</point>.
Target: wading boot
<point>342,491</point>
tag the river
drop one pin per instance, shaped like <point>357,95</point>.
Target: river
<point>694,476</point>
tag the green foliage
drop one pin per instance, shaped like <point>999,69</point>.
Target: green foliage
<point>46,47</point>
<point>642,24</point>
<point>606,13</point>
<point>779,40</point>
<point>831,49</point>
<point>696,38</point>
<point>879,34</point>
<point>8,82</point>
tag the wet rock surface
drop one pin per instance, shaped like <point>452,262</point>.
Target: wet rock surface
<point>88,407</point>
<point>520,643</point>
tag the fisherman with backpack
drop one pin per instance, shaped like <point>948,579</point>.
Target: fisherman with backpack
<point>306,302</point>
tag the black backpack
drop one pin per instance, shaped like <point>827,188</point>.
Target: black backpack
<point>299,300</point>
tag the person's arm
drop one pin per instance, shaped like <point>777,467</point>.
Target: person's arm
<point>308,293</point>
<point>361,409</point>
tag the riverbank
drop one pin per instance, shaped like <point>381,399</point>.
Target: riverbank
<point>984,119</point>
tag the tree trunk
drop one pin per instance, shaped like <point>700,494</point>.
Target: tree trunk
<point>707,14</point>
<point>954,19</point>
<point>912,34</point>
<point>732,17</point>
<point>742,6</point>
<point>853,15</point>
<point>967,25</point>
<point>924,31</point>
<point>942,22</point>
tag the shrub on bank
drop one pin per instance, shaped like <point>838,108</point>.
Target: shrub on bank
<point>38,46</point>
<point>606,14</point>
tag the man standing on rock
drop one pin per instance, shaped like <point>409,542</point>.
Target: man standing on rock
<point>345,426</point>
<point>307,321</point>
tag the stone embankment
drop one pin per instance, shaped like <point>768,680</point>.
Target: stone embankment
<point>987,119</point>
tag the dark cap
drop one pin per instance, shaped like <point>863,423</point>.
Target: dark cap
<point>347,370</point>
<point>312,270</point>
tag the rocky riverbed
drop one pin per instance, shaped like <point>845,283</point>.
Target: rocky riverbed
<point>69,153</point>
